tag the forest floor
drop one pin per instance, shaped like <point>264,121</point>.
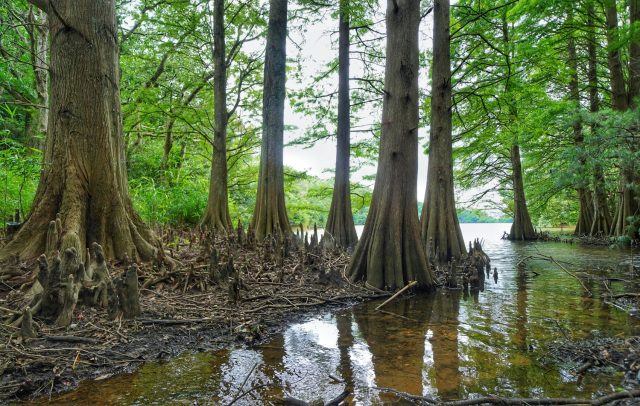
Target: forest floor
<point>183,309</point>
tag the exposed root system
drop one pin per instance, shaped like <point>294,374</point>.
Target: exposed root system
<point>219,290</point>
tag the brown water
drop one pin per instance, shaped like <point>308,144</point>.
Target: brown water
<point>445,345</point>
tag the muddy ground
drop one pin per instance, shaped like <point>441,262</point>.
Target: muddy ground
<point>241,294</point>
<point>186,307</point>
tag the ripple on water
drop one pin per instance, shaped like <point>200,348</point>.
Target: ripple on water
<point>448,344</point>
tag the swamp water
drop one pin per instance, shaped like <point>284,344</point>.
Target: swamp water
<point>446,345</point>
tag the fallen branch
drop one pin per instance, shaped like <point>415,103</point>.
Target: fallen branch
<point>73,339</point>
<point>495,400</point>
<point>498,400</point>
<point>621,295</point>
<point>398,293</point>
<point>554,261</point>
<point>174,321</point>
<point>336,401</point>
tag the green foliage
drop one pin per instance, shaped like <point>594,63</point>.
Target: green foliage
<point>510,87</point>
<point>20,168</point>
<point>560,210</point>
<point>479,216</point>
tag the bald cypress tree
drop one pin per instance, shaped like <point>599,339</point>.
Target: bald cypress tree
<point>270,214</point>
<point>390,253</point>
<point>440,226</point>
<point>216,215</point>
<point>84,177</point>
<point>340,221</point>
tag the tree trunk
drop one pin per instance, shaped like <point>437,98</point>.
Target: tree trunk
<point>601,224</point>
<point>270,214</point>
<point>84,176</point>
<point>631,175</point>
<point>340,221</point>
<point>634,53</point>
<point>216,215</point>
<point>618,92</point>
<point>39,59</point>
<point>168,144</point>
<point>390,253</point>
<point>585,215</point>
<point>521,228</point>
<point>440,227</point>
<point>627,202</point>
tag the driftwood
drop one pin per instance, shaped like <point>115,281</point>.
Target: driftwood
<point>398,293</point>
<point>73,339</point>
<point>498,400</point>
<point>291,401</point>
<point>557,263</point>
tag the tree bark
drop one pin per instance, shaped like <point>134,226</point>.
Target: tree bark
<point>585,214</point>
<point>270,214</point>
<point>601,224</point>
<point>440,226</point>
<point>618,92</point>
<point>168,144</point>
<point>216,215</point>
<point>634,53</point>
<point>84,175</point>
<point>390,253</point>
<point>627,202</point>
<point>631,177</point>
<point>340,221</point>
<point>521,228</point>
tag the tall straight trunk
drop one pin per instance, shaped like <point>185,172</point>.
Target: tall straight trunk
<point>439,222</point>
<point>634,53</point>
<point>84,177</point>
<point>521,228</point>
<point>340,221</point>
<point>631,176</point>
<point>627,202</point>
<point>216,215</point>
<point>390,253</point>
<point>601,224</point>
<point>270,214</point>
<point>618,92</point>
<point>585,214</point>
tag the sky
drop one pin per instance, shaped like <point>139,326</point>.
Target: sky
<point>319,160</point>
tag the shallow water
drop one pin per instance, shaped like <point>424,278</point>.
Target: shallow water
<point>447,345</point>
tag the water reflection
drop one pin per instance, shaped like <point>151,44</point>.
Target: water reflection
<point>441,344</point>
<point>396,342</point>
<point>444,344</point>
